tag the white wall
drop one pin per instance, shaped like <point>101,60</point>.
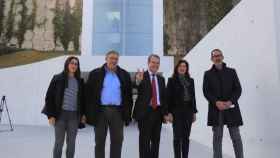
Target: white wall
<point>25,87</point>
<point>248,38</point>
<point>277,20</point>
<point>158,27</point>
<point>87,28</point>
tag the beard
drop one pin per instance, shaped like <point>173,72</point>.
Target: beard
<point>219,65</point>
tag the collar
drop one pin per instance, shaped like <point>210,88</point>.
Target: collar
<point>107,70</point>
<point>151,74</point>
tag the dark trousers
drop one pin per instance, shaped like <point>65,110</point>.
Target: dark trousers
<point>67,124</point>
<point>149,134</point>
<point>218,138</point>
<point>110,118</point>
<point>182,122</point>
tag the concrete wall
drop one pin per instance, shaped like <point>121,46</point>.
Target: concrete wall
<point>248,38</point>
<point>277,25</point>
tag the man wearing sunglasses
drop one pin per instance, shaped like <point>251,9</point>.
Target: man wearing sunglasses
<point>222,89</point>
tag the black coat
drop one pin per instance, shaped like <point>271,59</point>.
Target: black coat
<point>175,95</point>
<point>222,85</point>
<point>55,95</point>
<point>94,87</point>
<point>141,108</point>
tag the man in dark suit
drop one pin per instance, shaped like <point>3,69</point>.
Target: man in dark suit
<point>222,89</point>
<point>109,104</point>
<point>150,108</point>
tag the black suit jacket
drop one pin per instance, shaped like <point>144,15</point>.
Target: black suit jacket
<point>175,95</point>
<point>55,94</point>
<point>143,100</point>
<point>222,85</point>
<point>94,87</point>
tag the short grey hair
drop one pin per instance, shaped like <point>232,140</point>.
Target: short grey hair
<point>112,52</point>
<point>153,55</point>
<point>216,50</point>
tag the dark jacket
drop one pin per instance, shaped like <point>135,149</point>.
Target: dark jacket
<point>175,95</point>
<point>222,85</point>
<point>94,87</point>
<point>141,108</point>
<point>55,95</point>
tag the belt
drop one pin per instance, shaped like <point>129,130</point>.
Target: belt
<point>111,106</point>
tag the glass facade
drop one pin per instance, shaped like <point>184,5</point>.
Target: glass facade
<point>123,25</point>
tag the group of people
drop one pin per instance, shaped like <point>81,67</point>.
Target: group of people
<point>105,101</point>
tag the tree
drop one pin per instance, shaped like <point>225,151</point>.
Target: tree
<point>216,10</point>
<point>2,15</point>
<point>10,23</point>
<point>76,24</point>
<point>182,26</point>
<point>187,21</point>
<point>32,16</point>
<point>23,23</point>
<point>32,19</point>
<point>62,24</point>
<point>57,22</point>
<point>67,32</point>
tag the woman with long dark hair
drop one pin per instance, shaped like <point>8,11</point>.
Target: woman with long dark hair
<point>182,107</point>
<point>64,106</point>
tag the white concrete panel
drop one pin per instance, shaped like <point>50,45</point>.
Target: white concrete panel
<point>87,27</point>
<point>25,87</point>
<point>247,35</point>
<point>158,27</point>
<point>277,26</point>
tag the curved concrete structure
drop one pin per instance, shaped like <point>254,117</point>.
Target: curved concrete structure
<point>249,37</point>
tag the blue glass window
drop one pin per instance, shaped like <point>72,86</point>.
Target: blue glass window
<point>123,25</point>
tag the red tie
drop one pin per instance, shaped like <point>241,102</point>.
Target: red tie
<point>154,93</point>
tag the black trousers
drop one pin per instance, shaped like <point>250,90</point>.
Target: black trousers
<point>110,118</point>
<point>182,122</point>
<point>149,134</point>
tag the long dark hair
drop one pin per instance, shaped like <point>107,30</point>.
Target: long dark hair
<point>175,72</point>
<point>66,64</point>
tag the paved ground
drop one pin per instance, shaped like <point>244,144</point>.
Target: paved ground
<point>37,142</point>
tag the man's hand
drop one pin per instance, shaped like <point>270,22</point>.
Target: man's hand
<point>127,121</point>
<point>139,75</point>
<point>52,121</point>
<point>194,118</point>
<point>221,105</point>
<point>228,104</point>
<point>83,119</point>
<point>170,117</point>
<point>166,118</point>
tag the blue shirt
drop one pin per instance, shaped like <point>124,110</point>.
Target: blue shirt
<point>111,91</point>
